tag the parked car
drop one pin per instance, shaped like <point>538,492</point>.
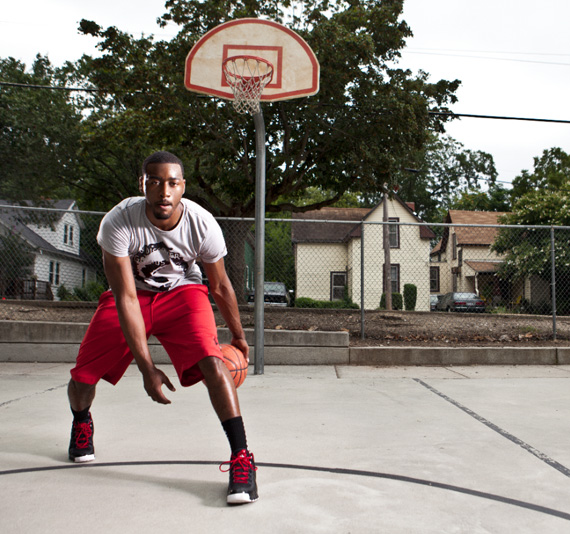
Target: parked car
<point>466,302</point>
<point>275,294</point>
<point>433,300</point>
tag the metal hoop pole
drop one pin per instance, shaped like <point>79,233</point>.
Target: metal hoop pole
<point>259,241</point>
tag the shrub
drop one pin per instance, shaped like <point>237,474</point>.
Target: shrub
<point>410,296</point>
<point>396,301</point>
<point>304,302</point>
<point>64,294</point>
<point>91,292</point>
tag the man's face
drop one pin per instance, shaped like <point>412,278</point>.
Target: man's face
<point>163,187</point>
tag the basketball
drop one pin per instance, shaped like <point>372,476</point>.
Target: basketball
<point>235,362</point>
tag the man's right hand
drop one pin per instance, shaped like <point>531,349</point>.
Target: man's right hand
<point>153,380</point>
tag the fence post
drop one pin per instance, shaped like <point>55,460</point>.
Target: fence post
<point>553,281</point>
<point>362,335</point>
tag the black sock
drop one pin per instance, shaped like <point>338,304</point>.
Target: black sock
<point>83,415</point>
<point>236,433</point>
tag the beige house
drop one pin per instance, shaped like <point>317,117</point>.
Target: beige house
<point>327,245</point>
<point>463,261</point>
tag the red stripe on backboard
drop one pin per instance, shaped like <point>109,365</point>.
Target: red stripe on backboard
<point>276,81</point>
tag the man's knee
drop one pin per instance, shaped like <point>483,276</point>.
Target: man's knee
<point>80,389</point>
<point>212,367</point>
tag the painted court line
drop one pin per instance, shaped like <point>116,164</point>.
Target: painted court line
<point>529,448</point>
<point>332,470</point>
<point>2,404</point>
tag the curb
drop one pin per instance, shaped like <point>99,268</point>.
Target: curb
<point>47,342</point>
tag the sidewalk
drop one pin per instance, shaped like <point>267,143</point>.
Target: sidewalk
<point>340,449</point>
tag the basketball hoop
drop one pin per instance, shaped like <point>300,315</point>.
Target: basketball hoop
<point>247,76</point>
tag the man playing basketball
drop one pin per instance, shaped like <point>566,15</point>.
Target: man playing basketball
<point>150,248</point>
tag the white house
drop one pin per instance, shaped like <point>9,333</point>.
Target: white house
<point>53,238</point>
<point>328,254</point>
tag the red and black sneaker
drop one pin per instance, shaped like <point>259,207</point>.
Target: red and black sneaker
<point>242,488</point>
<point>81,445</point>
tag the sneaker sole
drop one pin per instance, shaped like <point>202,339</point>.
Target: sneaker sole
<point>240,498</point>
<point>82,459</point>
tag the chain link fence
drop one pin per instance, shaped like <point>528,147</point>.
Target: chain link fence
<point>50,258</point>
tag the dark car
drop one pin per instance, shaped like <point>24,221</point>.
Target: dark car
<point>433,300</point>
<point>461,302</point>
<point>275,294</point>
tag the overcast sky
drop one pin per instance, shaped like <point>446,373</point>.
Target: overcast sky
<point>512,56</point>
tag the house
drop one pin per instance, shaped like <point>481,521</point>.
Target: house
<point>328,253</point>
<point>49,240</point>
<point>463,260</point>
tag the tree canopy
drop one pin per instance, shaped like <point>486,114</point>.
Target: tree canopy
<point>356,133</point>
<point>551,171</point>
<point>39,132</point>
<point>441,171</point>
<point>546,202</point>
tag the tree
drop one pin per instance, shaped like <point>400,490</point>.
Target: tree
<point>496,198</point>
<point>39,133</point>
<point>16,264</point>
<point>440,171</point>
<point>551,171</point>
<point>527,251</point>
<point>364,123</point>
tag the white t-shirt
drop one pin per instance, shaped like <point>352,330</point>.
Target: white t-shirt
<point>162,260</point>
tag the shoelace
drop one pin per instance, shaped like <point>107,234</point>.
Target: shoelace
<point>82,433</point>
<point>240,467</point>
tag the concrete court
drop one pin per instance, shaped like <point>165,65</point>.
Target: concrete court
<point>340,449</point>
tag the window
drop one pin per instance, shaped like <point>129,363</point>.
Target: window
<point>460,259</point>
<point>434,279</point>
<point>54,273</point>
<point>454,246</point>
<point>83,277</point>
<point>394,232</point>
<point>67,234</point>
<point>395,272</point>
<point>394,278</point>
<point>338,285</point>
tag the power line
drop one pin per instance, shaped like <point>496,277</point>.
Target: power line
<point>498,117</point>
<point>439,113</point>
<point>508,52</point>
<point>491,58</point>
<point>49,87</point>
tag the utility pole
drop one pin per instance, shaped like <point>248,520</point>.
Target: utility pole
<point>386,244</point>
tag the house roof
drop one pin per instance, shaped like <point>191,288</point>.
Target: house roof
<point>339,232</point>
<point>467,235</point>
<point>475,236</point>
<point>484,266</point>
<point>336,232</point>
<point>14,220</point>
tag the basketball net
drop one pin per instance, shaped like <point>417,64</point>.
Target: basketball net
<point>247,76</point>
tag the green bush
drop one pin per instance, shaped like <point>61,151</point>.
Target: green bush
<point>410,296</point>
<point>396,301</point>
<point>90,293</point>
<point>304,302</point>
<point>64,294</point>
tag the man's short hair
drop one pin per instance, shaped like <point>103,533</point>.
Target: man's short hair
<point>162,156</point>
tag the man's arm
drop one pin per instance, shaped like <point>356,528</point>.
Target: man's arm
<point>120,277</point>
<point>225,298</point>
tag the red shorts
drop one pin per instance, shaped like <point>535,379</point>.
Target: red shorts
<point>181,319</point>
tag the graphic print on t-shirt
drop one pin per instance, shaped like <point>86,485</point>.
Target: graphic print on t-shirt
<point>158,266</point>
